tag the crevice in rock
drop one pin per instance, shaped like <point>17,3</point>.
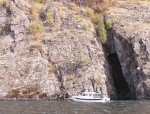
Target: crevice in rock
<point>121,86</point>
<point>60,78</point>
<point>8,12</point>
<point>89,52</point>
<point>7,29</point>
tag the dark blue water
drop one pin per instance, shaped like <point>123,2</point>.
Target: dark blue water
<point>71,107</point>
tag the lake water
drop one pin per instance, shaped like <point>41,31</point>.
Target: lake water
<point>71,107</point>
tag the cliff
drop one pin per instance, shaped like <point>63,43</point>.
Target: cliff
<point>129,40</point>
<point>66,58</point>
<point>48,48</point>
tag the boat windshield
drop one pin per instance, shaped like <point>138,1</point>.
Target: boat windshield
<point>96,95</point>
<point>85,95</point>
<point>92,94</point>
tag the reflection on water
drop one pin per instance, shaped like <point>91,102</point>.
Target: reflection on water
<point>71,107</point>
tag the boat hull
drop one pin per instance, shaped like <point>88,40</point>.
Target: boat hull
<point>91,100</point>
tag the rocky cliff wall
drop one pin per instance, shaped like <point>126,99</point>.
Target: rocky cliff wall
<point>66,58</point>
<point>130,41</point>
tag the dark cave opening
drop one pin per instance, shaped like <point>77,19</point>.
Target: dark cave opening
<point>121,86</point>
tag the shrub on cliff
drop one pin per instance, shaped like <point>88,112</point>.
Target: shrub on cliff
<point>89,12</point>
<point>87,26</point>
<point>102,8</point>
<point>50,18</point>
<point>36,28</point>
<point>62,14</point>
<point>36,9</point>
<point>102,34</point>
<point>108,25</point>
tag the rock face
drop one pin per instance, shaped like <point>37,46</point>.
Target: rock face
<point>131,37</point>
<point>66,60</point>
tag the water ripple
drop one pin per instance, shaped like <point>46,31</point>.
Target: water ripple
<point>71,107</point>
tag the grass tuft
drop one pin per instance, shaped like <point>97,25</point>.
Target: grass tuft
<point>36,28</point>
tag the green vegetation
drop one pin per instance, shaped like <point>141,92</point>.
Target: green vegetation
<point>62,14</point>
<point>102,8</point>
<point>37,7</point>
<point>108,25</point>
<point>96,12</point>
<point>79,52</point>
<point>36,28</point>
<point>102,34</point>
<point>87,26</point>
<point>79,55</point>
<point>36,10</point>
<point>50,18</point>
<point>89,12</point>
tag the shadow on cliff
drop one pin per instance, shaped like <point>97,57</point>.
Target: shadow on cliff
<point>121,86</point>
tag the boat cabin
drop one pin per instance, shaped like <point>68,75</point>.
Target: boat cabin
<point>92,94</point>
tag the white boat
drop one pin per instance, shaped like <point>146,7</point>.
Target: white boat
<point>90,97</point>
